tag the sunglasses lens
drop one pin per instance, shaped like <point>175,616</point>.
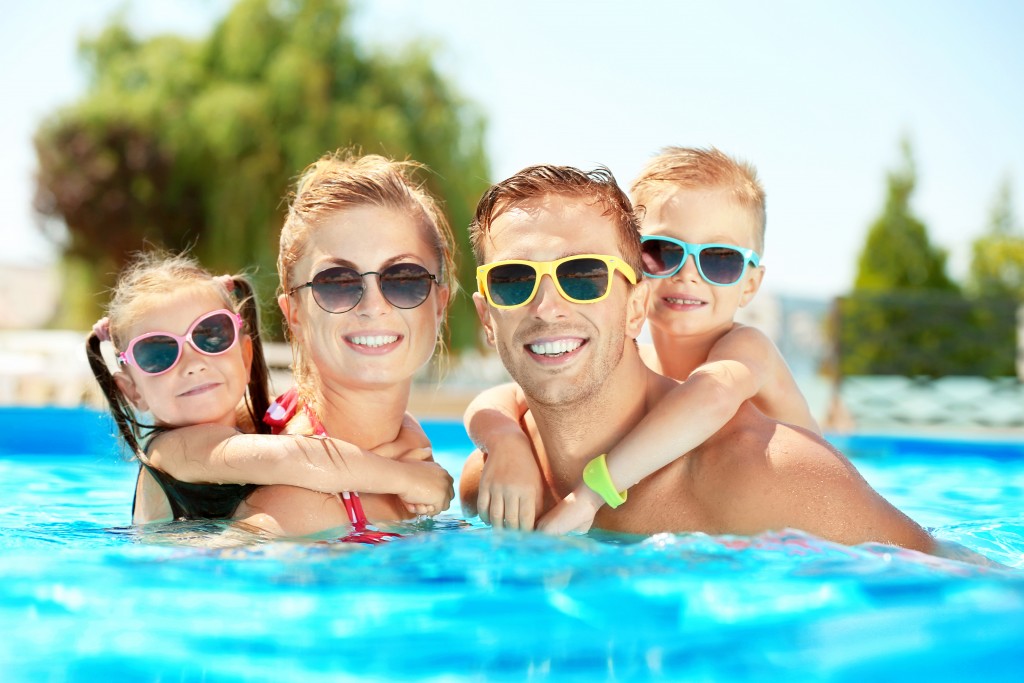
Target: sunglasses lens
<point>405,285</point>
<point>511,284</point>
<point>155,354</point>
<point>337,289</point>
<point>722,265</point>
<point>661,257</point>
<point>583,279</point>
<point>215,334</point>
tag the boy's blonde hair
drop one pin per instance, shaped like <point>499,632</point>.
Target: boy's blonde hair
<point>691,168</point>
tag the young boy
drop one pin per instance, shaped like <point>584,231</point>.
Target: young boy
<point>703,222</point>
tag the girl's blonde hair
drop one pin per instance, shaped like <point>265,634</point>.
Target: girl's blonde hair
<point>157,273</point>
<point>343,180</point>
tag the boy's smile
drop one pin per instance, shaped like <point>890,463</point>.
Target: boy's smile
<point>684,304</point>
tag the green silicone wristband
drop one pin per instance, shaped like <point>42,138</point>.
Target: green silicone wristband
<point>596,476</point>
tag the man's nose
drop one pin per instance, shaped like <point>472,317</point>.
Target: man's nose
<point>549,303</point>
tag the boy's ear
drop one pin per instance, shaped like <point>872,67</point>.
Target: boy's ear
<point>751,283</point>
<point>127,386</point>
<point>636,308</point>
<point>483,311</point>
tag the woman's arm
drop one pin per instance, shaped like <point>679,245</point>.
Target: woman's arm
<point>510,491</point>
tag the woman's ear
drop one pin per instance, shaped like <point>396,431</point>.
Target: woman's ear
<point>290,313</point>
<point>442,304</point>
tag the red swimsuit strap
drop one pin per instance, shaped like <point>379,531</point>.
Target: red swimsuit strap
<point>284,409</point>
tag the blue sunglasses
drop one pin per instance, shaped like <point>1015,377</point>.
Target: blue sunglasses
<point>718,264</point>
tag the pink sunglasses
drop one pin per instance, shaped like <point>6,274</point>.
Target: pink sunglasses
<point>212,334</point>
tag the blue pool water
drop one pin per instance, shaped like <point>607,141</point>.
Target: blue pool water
<point>83,596</point>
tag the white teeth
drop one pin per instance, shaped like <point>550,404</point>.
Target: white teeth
<point>683,302</point>
<point>374,341</point>
<point>556,348</point>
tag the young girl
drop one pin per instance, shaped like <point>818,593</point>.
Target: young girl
<point>188,353</point>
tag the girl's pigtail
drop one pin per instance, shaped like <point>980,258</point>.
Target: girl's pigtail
<point>121,410</point>
<point>258,397</point>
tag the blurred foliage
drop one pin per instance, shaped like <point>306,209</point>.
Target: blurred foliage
<point>897,254</point>
<point>997,263</point>
<point>926,334</point>
<point>905,315</point>
<point>184,143</point>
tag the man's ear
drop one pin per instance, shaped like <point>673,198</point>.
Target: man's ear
<point>126,385</point>
<point>636,308</point>
<point>290,314</point>
<point>751,283</point>
<point>483,311</point>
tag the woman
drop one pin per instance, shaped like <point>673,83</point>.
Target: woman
<point>367,272</point>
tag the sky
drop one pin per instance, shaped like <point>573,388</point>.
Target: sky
<point>817,95</point>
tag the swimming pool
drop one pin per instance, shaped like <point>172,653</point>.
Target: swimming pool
<point>85,597</point>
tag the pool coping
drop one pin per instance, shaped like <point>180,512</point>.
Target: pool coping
<point>29,430</point>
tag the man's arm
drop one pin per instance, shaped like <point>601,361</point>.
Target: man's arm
<point>509,488</point>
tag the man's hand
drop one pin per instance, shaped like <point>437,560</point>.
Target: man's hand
<point>575,513</point>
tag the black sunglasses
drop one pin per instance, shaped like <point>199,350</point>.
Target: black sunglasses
<point>340,289</point>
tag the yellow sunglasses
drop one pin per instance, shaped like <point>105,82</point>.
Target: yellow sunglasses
<point>581,279</point>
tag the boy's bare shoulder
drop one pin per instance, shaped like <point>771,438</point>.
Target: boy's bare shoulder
<point>751,346</point>
<point>745,336</point>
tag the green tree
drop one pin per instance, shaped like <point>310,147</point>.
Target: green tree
<point>905,315</point>
<point>997,264</point>
<point>898,254</point>
<point>193,143</point>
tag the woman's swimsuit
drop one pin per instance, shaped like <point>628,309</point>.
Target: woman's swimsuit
<point>283,409</point>
<point>190,500</point>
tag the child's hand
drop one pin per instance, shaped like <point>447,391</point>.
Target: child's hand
<point>511,491</point>
<point>428,489</point>
<point>575,513</point>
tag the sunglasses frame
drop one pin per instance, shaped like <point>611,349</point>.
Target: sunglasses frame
<point>549,268</point>
<point>431,278</point>
<point>127,357</point>
<point>691,249</point>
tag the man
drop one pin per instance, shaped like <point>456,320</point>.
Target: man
<point>560,299</point>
